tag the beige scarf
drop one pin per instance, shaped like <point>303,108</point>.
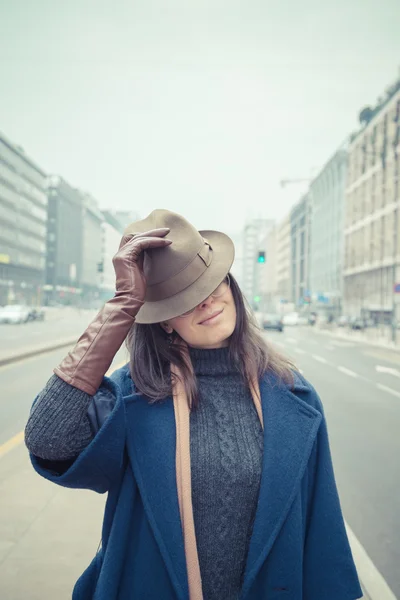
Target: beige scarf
<point>183,478</point>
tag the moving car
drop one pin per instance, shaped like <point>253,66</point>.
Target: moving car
<point>272,321</point>
<point>14,313</point>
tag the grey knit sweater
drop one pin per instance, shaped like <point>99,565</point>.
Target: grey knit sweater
<point>226,445</point>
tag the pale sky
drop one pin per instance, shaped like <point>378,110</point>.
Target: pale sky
<point>199,106</point>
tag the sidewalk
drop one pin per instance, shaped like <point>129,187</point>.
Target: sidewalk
<point>373,336</point>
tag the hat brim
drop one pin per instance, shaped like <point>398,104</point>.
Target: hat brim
<point>169,308</point>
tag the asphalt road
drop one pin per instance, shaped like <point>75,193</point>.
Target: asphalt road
<point>360,389</point>
<point>48,535</point>
<point>58,325</point>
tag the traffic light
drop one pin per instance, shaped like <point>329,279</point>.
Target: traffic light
<point>261,256</point>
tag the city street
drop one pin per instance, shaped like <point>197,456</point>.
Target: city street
<point>48,535</point>
<point>360,389</point>
<point>59,324</point>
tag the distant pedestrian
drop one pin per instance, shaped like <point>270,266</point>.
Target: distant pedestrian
<point>213,449</point>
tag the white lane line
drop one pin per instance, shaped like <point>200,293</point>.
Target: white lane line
<point>389,370</point>
<point>385,388</point>
<point>278,344</point>
<point>348,372</point>
<point>320,359</point>
<point>292,341</point>
<point>371,579</point>
<point>299,351</point>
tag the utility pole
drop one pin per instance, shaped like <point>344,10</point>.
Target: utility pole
<point>395,295</point>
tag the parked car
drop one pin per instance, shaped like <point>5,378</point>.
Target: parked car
<point>272,321</point>
<point>291,319</point>
<point>357,323</point>
<point>14,313</point>
<point>343,321</point>
<point>36,314</point>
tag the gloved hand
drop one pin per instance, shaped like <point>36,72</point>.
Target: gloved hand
<point>85,366</point>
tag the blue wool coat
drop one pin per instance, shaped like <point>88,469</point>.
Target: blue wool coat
<point>299,548</point>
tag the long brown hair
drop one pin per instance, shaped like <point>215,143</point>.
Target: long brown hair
<point>152,351</point>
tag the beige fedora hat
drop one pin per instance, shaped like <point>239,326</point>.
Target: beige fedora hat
<point>181,275</point>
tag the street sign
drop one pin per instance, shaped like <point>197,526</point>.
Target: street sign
<point>396,288</point>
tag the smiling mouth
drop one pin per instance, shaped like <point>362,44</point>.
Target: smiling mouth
<point>211,317</point>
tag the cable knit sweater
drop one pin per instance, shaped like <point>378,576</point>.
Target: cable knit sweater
<point>226,446</point>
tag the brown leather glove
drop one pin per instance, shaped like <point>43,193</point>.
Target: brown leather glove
<point>85,366</point>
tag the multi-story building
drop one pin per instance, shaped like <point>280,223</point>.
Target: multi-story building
<point>112,233</point>
<point>327,194</point>
<point>64,242</point>
<point>268,280</point>
<point>254,233</point>
<point>237,267</point>
<point>23,216</point>
<point>372,221</point>
<point>92,241</point>
<point>283,262</point>
<point>300,226</point>
<point>124,217</point>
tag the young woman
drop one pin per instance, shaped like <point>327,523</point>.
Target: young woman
<point>212,448</point>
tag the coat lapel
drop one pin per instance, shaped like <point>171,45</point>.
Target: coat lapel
<point>151,444</point>
<point>290,429</point>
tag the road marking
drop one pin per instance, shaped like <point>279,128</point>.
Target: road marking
<point>292,341</point>
<point>371,579</point>
<point>348,372</point>
<point>299,351</point>
<point>385,388</point>
<point>388,370</point>
<point>11,444</point>
<point>18,438</point>
<point>320,359</point>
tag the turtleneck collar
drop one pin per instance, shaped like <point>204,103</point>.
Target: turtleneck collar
<point>212,362</point>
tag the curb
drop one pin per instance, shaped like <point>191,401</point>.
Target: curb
<point>36,351</point>
<point>358,341</point>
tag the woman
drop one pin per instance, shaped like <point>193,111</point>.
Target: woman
<point>212,448</point>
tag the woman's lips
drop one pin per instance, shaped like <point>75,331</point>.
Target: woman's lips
<point>212,318</point>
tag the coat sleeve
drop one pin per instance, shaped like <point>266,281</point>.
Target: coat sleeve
<point>328,568</point>
<point>99,465</point>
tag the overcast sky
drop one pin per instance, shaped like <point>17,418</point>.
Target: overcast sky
<point>199,106</point>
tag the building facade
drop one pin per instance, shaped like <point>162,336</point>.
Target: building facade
<point>23,217</point>
<point>372,221</point>
<point>283,262</point>
<point>112,231</point>
<point>327,197</point>
<point>300,233</point>
<point>254,235</point>
<point>92,246</point>
<point>268,282</point>
<point>64,243</point>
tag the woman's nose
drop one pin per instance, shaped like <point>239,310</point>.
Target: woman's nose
<point>206,302</point>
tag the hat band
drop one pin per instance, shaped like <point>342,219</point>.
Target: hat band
<point>177,283</point>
